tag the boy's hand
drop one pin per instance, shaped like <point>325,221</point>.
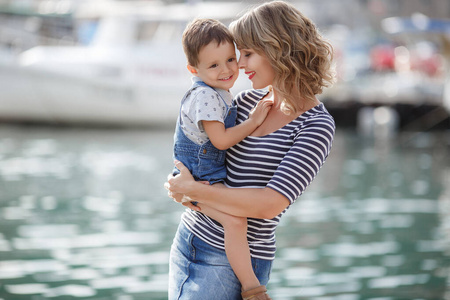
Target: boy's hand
<point>260,111</point>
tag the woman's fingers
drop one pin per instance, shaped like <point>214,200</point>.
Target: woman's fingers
<point>191,206</point>
<point>176,197</point>
<point>180,166</point>
<point>166,184</point>
<point>178,185</point>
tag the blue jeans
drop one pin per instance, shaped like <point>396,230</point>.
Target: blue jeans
<point>202,272</point>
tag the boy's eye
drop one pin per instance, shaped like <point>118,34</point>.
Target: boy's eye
<point>232,59</point>
<point>213,66</point>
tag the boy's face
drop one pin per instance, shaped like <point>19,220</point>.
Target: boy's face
<point>217,65</point>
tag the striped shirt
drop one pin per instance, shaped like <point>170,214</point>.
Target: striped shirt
<point>286,160</point>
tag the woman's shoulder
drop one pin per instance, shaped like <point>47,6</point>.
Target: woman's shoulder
<point>318,117</point>
<point>318,112</point>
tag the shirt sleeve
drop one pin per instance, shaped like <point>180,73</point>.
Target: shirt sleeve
<point>303,161</point>
<point>207,106</point>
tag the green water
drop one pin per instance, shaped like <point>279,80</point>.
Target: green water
<point>83,215</point>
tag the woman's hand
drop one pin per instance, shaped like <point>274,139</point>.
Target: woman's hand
<point>180,198</point>
<point>186,201</point>
<point>178,186</point>
<point>182,183</point>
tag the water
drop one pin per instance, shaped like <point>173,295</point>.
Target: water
<point>83,215</point>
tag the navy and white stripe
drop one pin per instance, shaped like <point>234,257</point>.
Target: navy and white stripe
<point>286,160</point>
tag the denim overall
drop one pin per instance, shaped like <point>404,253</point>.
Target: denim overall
<point>205,162</point>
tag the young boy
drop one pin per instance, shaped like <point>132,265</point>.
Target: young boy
<point>205,127</point>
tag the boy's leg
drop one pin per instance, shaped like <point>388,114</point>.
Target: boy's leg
<point>236,245</point>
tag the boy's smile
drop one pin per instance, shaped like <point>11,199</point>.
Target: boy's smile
<point>217,65</point>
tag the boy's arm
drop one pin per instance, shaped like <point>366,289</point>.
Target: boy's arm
<point>223,138</point>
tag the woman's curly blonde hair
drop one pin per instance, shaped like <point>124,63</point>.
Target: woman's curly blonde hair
<point>300,56</point>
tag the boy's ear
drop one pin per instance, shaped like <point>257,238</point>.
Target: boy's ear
<point>192,69</point>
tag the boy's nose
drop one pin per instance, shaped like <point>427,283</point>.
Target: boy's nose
<point>226,69</point>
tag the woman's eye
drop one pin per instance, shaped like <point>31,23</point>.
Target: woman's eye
<point>246,52</point>
<point>232,59</point>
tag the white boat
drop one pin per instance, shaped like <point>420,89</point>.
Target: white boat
<point>132,72</point>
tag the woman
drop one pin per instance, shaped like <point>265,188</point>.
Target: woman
<point>266,172</point>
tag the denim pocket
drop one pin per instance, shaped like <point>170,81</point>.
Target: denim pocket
<point>211,162</point>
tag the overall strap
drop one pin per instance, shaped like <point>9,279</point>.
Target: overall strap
<point>195,85</point>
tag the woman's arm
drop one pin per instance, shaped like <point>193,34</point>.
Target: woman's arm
<point>261,203</point>
<point>303,161</point>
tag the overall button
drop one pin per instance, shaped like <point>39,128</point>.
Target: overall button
<point>204,151</point>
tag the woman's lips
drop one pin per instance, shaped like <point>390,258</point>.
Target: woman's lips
<point>250,75</point>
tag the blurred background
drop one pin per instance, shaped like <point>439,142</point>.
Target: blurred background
<point>89,94</point>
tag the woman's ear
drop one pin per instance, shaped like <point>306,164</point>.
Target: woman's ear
<point>192,69</point>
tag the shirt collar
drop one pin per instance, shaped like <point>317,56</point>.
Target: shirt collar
<point>226,95</point>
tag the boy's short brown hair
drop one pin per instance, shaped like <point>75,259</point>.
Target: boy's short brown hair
<point>201,32</point>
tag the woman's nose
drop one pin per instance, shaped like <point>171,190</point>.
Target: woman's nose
<point>241,64</point>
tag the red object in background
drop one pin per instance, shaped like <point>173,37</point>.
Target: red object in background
<point>382,58</point>
<point>430,65</point>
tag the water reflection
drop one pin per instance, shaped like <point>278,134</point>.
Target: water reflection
<point>84,215</point>
<point>370,226</point>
